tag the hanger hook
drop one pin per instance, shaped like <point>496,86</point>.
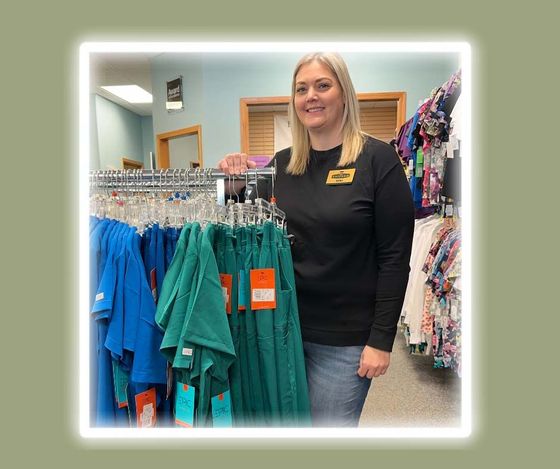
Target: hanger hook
<point>256,183</point>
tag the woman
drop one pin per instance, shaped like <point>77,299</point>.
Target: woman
<point>348,205</point>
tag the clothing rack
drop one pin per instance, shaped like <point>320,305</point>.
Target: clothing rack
<point>424,148</point>
<point>132,196</point>
<point>172,179</point>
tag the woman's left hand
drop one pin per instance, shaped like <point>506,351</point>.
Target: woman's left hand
<point>373,362</point>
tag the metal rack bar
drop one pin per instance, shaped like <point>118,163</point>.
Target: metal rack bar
<point>148,175</point>
<point>138,180</point>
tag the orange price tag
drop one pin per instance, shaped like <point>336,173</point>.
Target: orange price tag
<point>263,289</point>
<point>146,408</point>
<point>227,281</point>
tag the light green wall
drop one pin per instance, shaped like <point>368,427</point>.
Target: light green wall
<point>417,74</point>
<point>148,141</point>
<point>214,83</point>
<point>118,134</point>
<point>166,68</point>
<point>93,137</point>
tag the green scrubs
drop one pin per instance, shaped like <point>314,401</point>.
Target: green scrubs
<point>241,237</point>
<point>170,285</point>
<point>265,319</point>
<point>227,264</point>
<point>295,368</point>
<point>206,326</point>
<point>256,400</point>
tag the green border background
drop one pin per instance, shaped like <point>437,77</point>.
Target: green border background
<point>514,87</point>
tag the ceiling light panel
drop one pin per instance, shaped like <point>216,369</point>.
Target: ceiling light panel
<point>130,93</point>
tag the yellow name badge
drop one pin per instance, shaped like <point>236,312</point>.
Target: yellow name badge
<point>340,176</point>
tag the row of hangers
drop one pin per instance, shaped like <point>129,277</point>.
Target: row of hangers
<point>173,198</point>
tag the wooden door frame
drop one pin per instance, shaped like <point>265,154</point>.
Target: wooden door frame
<point>162,144</point>
<point>398,96</point>
<point>127,163</point>
<point>244,103</point>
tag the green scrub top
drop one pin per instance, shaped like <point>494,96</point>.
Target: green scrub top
<point>170,285</point>
<point>180,305</point>
<point>206,326</point>
<point>267,380</point>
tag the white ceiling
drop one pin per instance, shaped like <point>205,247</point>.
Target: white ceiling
<point>112,69</point>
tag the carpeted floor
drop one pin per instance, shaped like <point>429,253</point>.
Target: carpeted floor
<point>413,394</point>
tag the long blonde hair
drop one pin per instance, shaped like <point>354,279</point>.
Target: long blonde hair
<point>352,137</point>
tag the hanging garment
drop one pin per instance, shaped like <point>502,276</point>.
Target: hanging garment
<point>226,257</point>
<point>107,302</point>
<point>149,366</point>
<point>98,232</point>
<point>205,345</point>
<point>127,357</point>
<point>432,308</point>
<point>421,141</point>
<point>256,384</point>
<point>175,346</point>
<point>197,336</point>
<point>208,328</point>
<point>243,350</point>
<point>424,233</point>
<point>266,379</point>
<point>170,289</point>
<point>294,394</point>
<point>264,321</point>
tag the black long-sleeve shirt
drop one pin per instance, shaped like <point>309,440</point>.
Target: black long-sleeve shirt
<point>352,244</point>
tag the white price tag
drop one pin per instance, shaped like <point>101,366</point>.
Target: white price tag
<point>454,310</point>
<point>147,415</point>
<point>263,294</point>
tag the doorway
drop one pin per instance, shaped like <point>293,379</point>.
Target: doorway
<point>180,148</point>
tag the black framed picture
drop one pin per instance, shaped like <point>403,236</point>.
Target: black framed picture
<point>174,101</point>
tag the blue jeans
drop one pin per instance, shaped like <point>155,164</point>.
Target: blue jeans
<point>336,392</point>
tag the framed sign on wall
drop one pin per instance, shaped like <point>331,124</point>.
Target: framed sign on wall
<point>174,101</point>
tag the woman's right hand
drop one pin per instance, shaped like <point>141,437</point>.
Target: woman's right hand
<point>235,163</point>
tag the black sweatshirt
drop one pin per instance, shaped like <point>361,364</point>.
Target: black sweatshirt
<point>352,244</point>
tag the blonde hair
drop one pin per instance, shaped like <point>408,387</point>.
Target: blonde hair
<point>353,138</point>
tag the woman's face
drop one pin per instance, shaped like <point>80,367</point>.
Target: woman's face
<point>318,99</point>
